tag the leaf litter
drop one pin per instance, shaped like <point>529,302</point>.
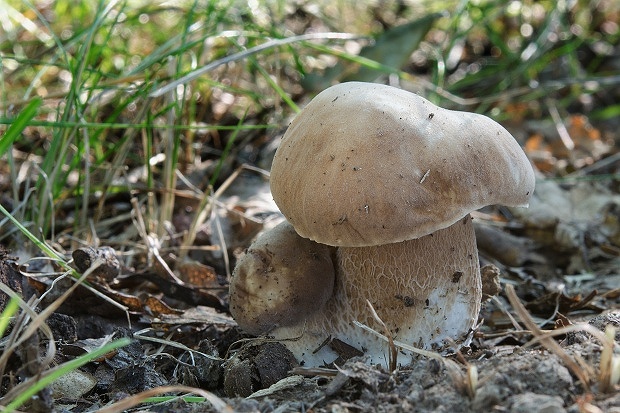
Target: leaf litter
<point>183,335</point>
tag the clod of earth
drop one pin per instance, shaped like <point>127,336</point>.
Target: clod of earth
<point>256,366</point>
<point>365,170</point>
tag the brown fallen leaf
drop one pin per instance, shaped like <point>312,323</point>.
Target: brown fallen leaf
<point>558,301</point>
<point>197,274</point>
<point>187,293</point>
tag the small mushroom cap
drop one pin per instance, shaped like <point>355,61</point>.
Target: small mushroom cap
<point>367,164</point>
<point>281,279</point>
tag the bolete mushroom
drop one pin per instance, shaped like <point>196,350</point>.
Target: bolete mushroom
<point>389,179</point>
<point>280,279</point>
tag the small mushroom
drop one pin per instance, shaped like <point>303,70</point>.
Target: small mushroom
<point>367,169</point>
<point>280,279</point>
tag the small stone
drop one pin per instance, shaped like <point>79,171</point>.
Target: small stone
<point>73,385</point>
<point>536,403</point>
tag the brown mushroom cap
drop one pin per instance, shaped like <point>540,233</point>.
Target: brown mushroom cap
<point>281,279</point>
<point>367,164</point>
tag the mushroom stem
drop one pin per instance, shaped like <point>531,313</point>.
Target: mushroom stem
<point>426,290</point>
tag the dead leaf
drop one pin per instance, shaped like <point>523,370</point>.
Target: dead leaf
<point>572,220</point>
<point>549,304</point>
<point>197,274</point>
<point>157,307</point>
<point>196,315</point>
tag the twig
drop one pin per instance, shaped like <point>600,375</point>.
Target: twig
<point>559,125</point>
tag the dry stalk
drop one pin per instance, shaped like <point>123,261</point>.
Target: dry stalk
<point>166,342</point>
<point>218,404</point>
<point>585,405</point>
<point>580,370</point>
<point>465,383</point>
<point>19,325</point>
<point>609,371</point>
<point>151,243</point>
<point>207,201</point>
<point>392,351</point>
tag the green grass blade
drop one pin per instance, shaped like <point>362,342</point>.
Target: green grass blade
<point>245,53</point>
<point>41,245</point>
<point>186,399</point>
<point>8,312</point>
<point>606,113</point>
<point>227,149</point>
<point>19,124</point>
<point>51,375</point>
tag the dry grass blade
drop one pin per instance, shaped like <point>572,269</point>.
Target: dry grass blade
<point>50,309</point>
<point>609,374</point>
<point>466,383</point>
<point>547,340</point>
<point>471,381</point>
<point>218,404</point>
<point>206,205</point>
<point>559,125</point>
<point>151,242</point>
<point>139,335</point>
<point>392,351</point>
<point>609,371</point>
<point>27,390</point>
<point>20,324</point>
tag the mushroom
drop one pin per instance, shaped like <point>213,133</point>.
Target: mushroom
<point>389,180</point>
<point>280,279</point>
